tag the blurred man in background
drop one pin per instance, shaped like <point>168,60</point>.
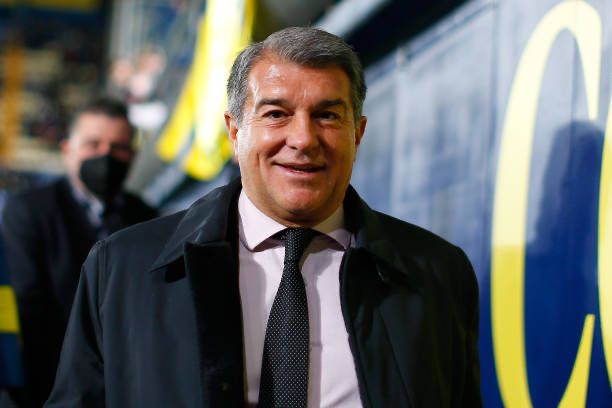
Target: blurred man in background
<point>49,231</point>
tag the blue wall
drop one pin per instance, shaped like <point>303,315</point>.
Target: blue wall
<point>437,108</point>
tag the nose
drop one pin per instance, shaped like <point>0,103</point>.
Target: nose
<point>302,133</point>
<point>104,148</point>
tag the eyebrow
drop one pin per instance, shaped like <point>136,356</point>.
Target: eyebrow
<point>271,101</point>
<point>327,103</point>
<point>330,103</point>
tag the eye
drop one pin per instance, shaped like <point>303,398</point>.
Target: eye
<point>91,144</point>
<point>275,114</point>
<point>121,148</point>
<point>328,115</point>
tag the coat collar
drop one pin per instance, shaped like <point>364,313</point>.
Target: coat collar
<point>376,239</point>
<point>206,221</point>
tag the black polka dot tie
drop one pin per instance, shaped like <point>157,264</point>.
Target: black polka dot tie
<point>284,368</point>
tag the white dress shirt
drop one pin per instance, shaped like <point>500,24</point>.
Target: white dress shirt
<point>332,380</point>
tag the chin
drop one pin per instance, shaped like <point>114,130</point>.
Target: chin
<point>301,203</point>
<point>306,211</point>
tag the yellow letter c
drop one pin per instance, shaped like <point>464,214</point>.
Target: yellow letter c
<point>510,201</point>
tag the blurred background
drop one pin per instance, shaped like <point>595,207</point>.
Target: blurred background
<point>483,115</point>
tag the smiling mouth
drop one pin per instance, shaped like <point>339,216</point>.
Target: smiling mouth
<point>302,168</point>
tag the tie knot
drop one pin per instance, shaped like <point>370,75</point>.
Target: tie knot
<point>296,241</point>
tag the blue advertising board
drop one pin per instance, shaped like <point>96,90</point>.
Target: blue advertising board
<point>493,130</point>
<point>11,374</point>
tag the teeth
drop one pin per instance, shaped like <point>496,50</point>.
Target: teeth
<point>301,168</point>
<point>304,169</point>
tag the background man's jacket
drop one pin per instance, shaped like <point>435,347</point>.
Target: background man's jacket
<point>157,317</point>
<point>48,236</point>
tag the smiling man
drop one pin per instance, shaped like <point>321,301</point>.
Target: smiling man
<point>282,289</point>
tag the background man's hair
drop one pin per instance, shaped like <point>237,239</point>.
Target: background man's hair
<point>103,105</point>
<point>305,46</point>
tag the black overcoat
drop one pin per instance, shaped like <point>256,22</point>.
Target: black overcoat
<point>157,317</point>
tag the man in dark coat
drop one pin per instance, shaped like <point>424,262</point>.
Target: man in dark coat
<point>49,231</point>
<point>227,304</point>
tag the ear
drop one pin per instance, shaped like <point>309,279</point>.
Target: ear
<point>232,130</point>
<point>360,129</point>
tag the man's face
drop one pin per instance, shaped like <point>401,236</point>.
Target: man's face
<point>297,141</point>
<point>96,134</point>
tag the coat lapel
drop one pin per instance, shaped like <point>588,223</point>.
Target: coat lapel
<point>204,244</point>
<point>384,310</point>
<point>75,218</point>
<point>213,278</point>
<point>369,308</point>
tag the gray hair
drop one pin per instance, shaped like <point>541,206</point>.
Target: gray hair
<point>305,46</point>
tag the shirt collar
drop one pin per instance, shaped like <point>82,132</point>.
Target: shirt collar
<point>92,205</point>
<point>255,227</point>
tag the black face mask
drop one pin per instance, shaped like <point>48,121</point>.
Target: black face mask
<point>103,176</point>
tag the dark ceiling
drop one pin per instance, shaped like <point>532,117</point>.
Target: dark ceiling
<point>396,23</point>
<point>392,24</point>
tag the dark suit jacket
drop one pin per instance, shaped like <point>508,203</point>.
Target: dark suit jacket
<point>48,236</point>
<point>157,317</point>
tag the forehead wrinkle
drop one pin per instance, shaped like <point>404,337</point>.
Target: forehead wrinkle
<point>272,80</point>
